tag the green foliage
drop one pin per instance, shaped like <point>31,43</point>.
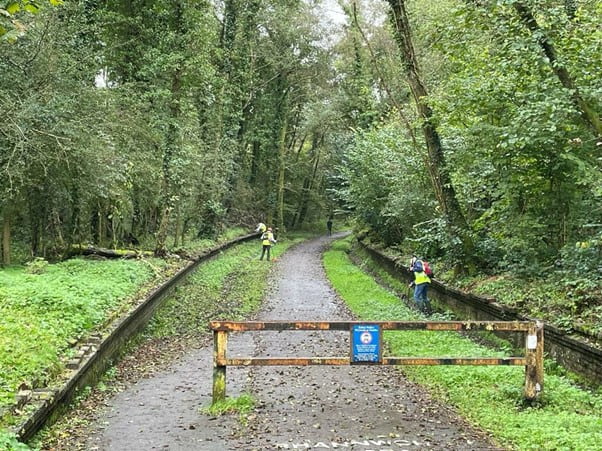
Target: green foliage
<point>173,137</point>
<point>520,150</point>
<point>9,442</point>
<point>584,259</point>
<point>178,135</point>
<point>214,214</point>
<point>385,185</point>
<point>516,144</point>
<point>40,313</point>
<point>567,301</point>
<point>567,416</point>
<point>15,16</point>
<point>524,162</point>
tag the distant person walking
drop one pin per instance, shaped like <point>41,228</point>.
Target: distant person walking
<point>421,284</point>
<point>267,239</point>
<point>329,226</point>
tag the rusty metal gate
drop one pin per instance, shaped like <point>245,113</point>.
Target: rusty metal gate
<point>532,360</point>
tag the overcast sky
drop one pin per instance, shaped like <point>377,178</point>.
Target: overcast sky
<point>333,12</point>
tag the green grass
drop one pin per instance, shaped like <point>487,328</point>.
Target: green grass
<point>242,405</point>
<point>229,286</point>
<point>40,313</point>
<point>566,417</point>
<point>8,441</point>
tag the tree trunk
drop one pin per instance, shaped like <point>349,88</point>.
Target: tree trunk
<point>308,185</point>
<point>6,237</point>
<point>383,81</point>
<point>160,246</point>
<point>107,253</point>
<point>178,226</point>
<point>100,226</point>
<point>256,146</point>
<point>281,169</point>
<point>440,179</point>
<point>171,144</point>
<point>75,232</point>
<point>588,112</point>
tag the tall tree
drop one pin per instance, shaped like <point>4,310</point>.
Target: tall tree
<point>440,178</point>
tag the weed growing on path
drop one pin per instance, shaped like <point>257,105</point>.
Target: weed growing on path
<point>241,405</point>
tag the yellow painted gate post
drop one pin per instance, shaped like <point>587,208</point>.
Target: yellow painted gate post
<point>220,341</point>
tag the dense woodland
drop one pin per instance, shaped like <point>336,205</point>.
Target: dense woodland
<point>468,131</point>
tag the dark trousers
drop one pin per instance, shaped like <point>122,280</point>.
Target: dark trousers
<point>265,247</point>
<point>421,298</point>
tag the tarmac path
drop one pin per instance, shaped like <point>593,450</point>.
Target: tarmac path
<point>315,407</point>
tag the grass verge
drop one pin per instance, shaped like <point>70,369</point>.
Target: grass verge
<point>566,417</point>
<point>230,286</point>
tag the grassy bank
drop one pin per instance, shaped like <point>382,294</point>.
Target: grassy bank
<point>490,397</point>
<point>46,308</point>
<point>230,286</point>
<point>42,312</point>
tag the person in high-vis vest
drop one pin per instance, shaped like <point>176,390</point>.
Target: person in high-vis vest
<point>421,284</point>
<point>267,239</point>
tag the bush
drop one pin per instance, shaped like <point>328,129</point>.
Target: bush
<point>584,258</point>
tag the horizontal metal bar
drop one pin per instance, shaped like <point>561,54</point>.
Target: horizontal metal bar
<point>284,361</point>
<point>455,361</point>
<point>306,361</point>
<point>242,326</point>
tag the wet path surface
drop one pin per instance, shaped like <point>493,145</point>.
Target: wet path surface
<point>316,407</point>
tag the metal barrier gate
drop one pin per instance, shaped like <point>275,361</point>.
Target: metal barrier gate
<point>366,347</point>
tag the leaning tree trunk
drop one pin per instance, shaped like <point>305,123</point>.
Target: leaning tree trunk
<point>588,112</point>
<point>440,178</point>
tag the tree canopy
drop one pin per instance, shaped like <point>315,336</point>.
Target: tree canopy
<point>468,131</point>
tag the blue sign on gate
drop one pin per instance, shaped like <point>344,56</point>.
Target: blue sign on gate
<point>366,343</point>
